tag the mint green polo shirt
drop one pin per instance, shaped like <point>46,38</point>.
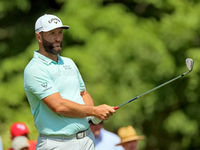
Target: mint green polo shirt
<point>43,77</point>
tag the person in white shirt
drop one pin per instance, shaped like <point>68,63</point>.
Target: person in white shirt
<point>1,145</point>
<point>104,140</point>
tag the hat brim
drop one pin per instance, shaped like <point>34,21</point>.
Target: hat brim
<point>65,27</point>
<point>131,139</point>
<point>49,29</point>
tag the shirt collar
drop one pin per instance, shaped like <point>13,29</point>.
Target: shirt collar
<point>45,59</point>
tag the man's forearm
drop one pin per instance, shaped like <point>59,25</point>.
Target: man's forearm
<point>71,109</point>
<point>75,110</point>
<point>87,98</point>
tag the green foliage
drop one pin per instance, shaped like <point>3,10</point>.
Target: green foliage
<point>120,54</point>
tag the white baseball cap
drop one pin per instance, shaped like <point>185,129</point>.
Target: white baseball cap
<point>48,22</point>
<point>20,142</point>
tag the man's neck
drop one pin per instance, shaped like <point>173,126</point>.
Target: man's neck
<point>50,56</point>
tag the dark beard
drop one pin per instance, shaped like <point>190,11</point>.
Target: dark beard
<point>48,46</point>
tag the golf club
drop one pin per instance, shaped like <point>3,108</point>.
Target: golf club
<point>189,63</point>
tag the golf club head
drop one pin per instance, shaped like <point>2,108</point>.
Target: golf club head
<point>189,63</point>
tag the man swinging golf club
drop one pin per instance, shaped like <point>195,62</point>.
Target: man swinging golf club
<point>57,95</point>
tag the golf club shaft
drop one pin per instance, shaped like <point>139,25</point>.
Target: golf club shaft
<point>116,107</point>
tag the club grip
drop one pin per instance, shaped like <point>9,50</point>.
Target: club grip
<point>115,108</point>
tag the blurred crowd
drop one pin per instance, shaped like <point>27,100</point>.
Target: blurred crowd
<point>19,135</point>
<point>125,139</point>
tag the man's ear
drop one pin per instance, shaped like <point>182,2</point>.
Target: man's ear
<point>38,36</point>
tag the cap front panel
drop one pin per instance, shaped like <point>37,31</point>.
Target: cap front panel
<point>51,22</point>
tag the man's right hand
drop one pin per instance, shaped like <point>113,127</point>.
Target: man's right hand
<point>103,112</point>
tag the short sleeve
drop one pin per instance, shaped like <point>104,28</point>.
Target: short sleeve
<point>39,82</point>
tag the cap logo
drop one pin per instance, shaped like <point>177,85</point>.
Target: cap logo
<point>55,20</point>
<point>21,126</point>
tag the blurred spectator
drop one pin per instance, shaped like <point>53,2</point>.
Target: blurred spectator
<point>1,145</point>
<point>104,140</point>
<point>20,129</point>
<point>20,143</point>
<point>129,138</point>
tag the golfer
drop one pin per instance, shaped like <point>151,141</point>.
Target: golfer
<point>57,95</point>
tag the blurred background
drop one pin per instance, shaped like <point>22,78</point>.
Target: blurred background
<point>122,48</point>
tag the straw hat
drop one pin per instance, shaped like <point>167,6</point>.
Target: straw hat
<point>128,134</point>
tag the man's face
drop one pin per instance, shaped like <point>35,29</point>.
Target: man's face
<point>132,145</point>
<point>96,129</point>
<point>52,41</point>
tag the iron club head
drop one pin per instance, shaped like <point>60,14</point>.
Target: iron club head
<point>189,63</point>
